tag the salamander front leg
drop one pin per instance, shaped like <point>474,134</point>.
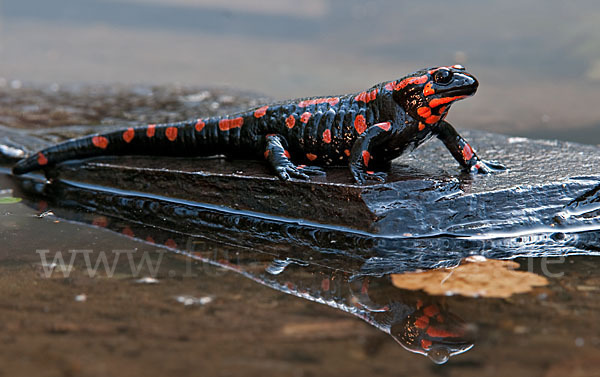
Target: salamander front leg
<point>360,155</point>
<point>279,159</point>
<point>464,153</point>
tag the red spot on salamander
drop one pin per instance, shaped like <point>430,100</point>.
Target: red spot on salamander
<point>347,152</point>
<point>408,81</point>
<point>151,130</point>
<point>467,152</point>
<point>311,156</point>
<point>325,284</point>
<point>100,221</point>
<point>171,243</point>
<point>228,124</point>
<point>367,97</point>
<point>440,333</point>
<point>431,310</point>
<point>41,159</point>
<point>128,232</point>
<point>290,121</point>
<point>440,318</point>
<point>426,344</point>
<point>390,85</point>
<point>384,126</point>
<point>200,124</point>
<point>442,101</point>
<point>260,112</point>
<point>150,239</point>
<point>171,133</point>
<point>266,154</point>
<point>428,90</point>
<point>305,117</point>
<point>360,124</point>
<point>370,172</point>
<point>366,157</point>
<point>422,322</point>
<point>100,142</point>
<point>421,126</point>
<point>128,135</point>
<point>327,136</point>
<point>432,119</point>
<point>316,101</point>
<point>286,153</point>
<point>442,109</point>
<point>424,112</point>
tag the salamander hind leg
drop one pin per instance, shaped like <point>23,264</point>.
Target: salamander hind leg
<point>279,159</point>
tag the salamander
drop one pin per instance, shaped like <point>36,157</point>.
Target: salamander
<point>364,130</point>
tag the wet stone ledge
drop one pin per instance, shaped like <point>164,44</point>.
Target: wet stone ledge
<point>550,186</point>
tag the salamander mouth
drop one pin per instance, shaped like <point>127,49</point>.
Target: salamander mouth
<point>456,92</point>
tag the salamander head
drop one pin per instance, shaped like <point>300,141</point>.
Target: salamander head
<point>427,94</point>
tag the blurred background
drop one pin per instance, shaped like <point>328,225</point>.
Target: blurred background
<point>538,61</point>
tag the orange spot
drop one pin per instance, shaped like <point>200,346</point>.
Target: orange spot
<point>424,112</point>
<point>100,221</point>
<point>360,123</point>
<point>41,159</point>
<point>316,101</point>
<point>431,310</point>
<point>425,344</point>
<point>286,153</point>
<point>366,157</point>
<point>370,172</point>
<point>428,90</point>
<point>290,121</point>
<point>266,154</point>
<point>305,117</point>
<point>410,81</point>
<point>327,136</point>
<point>128,232</point>
<point>391,85</point>
<point>384,126</point>
<point>347,152</point>
<point>128,135</point>
<point>440,333</point>
<point>442,101</point>
<point>171,243</point>
<point>325,283</point>
<point>151,130</point>
<point>260,112</point>
<point>333,101</point>
<point>442,109</point>
<point>171,133</point>
<point>467,152</point>
<point>422,322</point>
<point>311,156</point>
<point>227,124</point>
<point>367,97</point>
<point>432,119</point>
<point>421,126</point>
<point>100,142</point>
<point>200,125</point>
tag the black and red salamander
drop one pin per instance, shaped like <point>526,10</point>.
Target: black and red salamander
<point>366,130</point>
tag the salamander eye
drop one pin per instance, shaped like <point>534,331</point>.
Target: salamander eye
<point>442,76</point>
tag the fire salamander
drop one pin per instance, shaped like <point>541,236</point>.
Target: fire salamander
<point>365,130</point>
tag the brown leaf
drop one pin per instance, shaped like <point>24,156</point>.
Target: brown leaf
<point>475,277</point>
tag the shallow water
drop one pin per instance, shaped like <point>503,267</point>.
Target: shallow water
<point>150,298</point>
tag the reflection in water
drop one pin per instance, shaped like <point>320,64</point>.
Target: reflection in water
<point>418,322</point>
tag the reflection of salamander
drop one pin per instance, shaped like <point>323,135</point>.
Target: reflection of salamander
<point>365,130</point>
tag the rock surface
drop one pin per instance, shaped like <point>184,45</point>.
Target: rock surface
<point>550,185</point>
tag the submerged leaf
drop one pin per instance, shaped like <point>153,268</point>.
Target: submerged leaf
<point>476,277</point>
<point>9,200</point>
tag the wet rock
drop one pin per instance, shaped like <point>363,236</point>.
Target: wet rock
<point>550,186</point>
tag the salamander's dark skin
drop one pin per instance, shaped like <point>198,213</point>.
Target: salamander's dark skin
<point>365,130</point>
